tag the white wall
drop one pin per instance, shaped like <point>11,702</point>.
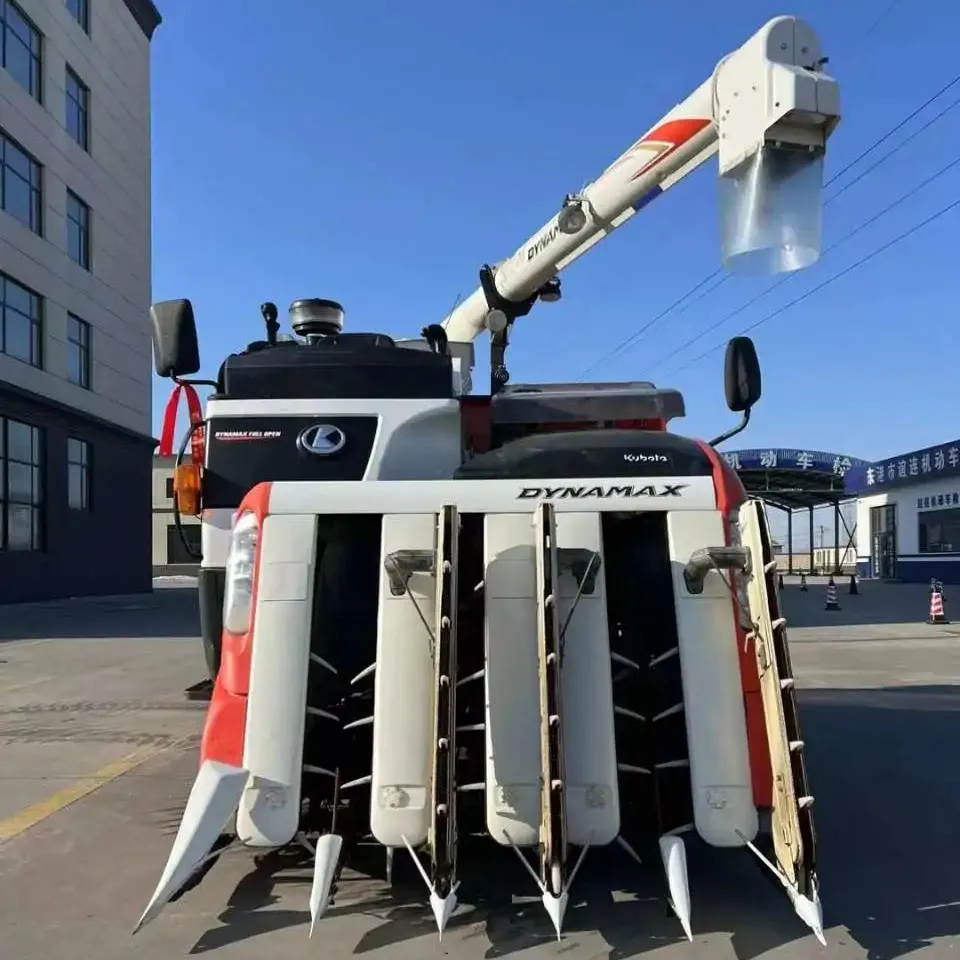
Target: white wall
<point>907,510</point>
<point>114,179</point>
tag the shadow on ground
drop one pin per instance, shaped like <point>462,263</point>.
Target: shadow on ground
<point>169,612</point>
<point>883,769</point>
<point>875,603</point>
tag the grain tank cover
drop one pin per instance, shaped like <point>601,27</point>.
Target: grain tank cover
<point>579,402</point>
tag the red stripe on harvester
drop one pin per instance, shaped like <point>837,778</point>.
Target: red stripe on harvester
<point>673,135</point>
<point>224,731</point>
<point>730,496</point>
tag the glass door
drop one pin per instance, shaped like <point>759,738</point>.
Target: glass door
<point>883,535</point>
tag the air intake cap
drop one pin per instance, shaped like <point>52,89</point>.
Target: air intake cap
<point>312,318</point>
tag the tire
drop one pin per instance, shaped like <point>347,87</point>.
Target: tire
<point>211,656</point>
<point>210,587</point>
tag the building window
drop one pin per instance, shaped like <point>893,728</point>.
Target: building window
<point>169,488</point>
<point>78,474</point>
<point>20,314</point>
<point>20,193</point>
<point>939,531</point>
<point>80,11</point>
<point>78,109</point>
<point>177,551</point>
<point>78,351</point>
<point>21,495</point>
<point>20,43</point>
<point>78,230</point>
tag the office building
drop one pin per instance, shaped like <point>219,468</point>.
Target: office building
<point>908,516</point>
<point>75,367</point>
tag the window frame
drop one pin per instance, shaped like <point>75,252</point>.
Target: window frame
<point>84,464</point>
<point>36,322</point>
<point>35,189</point>
<point>35,88</point>
<point>190,532</point>
<point>37,503</point>
<point>82,14</point>
<point>926,518</point>
<point>83,345</point>
<point>82,105</point>
<point>84,228</point>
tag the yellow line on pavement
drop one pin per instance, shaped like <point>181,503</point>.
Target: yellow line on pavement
<point>30,816</point>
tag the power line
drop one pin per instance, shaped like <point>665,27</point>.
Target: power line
<point>883,16</point>
<point>842,273</point>
<point>923,106</point>
<point>790,276</point>
<point>634,338</point>
<point>936,118</point>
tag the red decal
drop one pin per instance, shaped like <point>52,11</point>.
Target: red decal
<point>670,136</point>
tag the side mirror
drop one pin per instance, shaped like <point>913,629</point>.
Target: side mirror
<point>174,333</point>
<point>741,375</point>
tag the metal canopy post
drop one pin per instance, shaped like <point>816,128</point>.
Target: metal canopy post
<point>790,540</point>
<point>836,537</point>
<point>810,517</point>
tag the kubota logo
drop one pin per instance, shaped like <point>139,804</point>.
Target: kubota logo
<point>590,493</point>
<point>645,457</point>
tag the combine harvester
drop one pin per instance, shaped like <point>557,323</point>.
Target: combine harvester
<point>535,615</point>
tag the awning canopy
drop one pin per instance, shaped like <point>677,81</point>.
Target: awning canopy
<point>791,478</point>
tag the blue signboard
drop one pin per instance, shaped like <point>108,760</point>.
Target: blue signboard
<point>796,460</point>
<point>919,466</point>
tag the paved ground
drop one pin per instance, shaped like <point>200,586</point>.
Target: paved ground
<point>97,752</point>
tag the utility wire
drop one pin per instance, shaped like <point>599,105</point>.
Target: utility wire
<point>883,16</point>
<point>936,118</point>
<point>786,278</point>
<point>634,338</point>
<point>842,273</point>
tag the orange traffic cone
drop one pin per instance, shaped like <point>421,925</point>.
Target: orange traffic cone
<point>803,582</point>
<point>831,603</point>
<point>936,608</point>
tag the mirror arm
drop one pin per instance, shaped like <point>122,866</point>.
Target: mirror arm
<point>195,383</point>
<point>737,429</point>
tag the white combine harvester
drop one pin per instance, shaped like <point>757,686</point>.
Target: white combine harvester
<point>537,614</point>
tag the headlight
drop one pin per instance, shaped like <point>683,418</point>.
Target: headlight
<point>238,589</point>
<point>739,580</point>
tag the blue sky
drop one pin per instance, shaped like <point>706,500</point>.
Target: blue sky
<point>378,153</point>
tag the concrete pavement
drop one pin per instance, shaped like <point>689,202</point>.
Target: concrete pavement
<point>98,750</point>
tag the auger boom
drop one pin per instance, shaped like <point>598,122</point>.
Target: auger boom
<point>767,110</point>
<point>535,617</point>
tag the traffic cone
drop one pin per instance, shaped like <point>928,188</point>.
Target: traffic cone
<point>780,581</point>
<point>831,603</point>
<point>854,589</point>
<point>803,582</point>
<point>936,608</point>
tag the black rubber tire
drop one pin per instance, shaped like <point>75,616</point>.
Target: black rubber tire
<point>211,656</point>
<point>210,586</point>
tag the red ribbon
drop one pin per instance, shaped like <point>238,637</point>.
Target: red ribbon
<point>170,423</point>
